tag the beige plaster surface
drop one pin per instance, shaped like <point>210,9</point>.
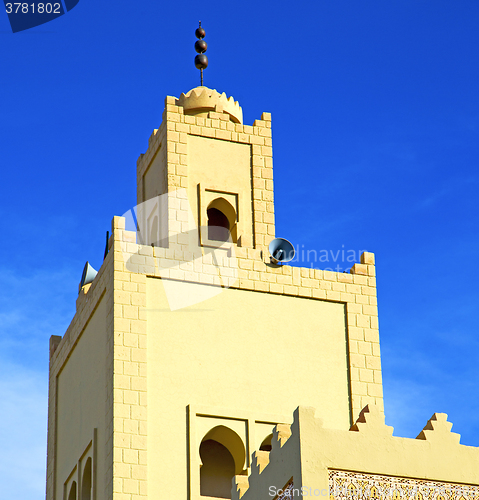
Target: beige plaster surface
<point>239,349</point>
<point>81,399</point>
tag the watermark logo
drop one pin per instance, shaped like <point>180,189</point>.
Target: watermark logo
<point>289,492</point>
<point>26,15</point>
<point>164,240</point>
<point>339,260</point>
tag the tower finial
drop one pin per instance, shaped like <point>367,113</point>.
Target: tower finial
<point>201,61</point>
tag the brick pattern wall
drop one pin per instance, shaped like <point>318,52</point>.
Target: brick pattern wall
<point>129,405</point>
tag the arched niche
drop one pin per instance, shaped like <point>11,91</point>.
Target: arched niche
<point>86,481</point>
<point>217,470</point>
<point>73,491</point>
<point>222,220</point>
<point>222,454</point>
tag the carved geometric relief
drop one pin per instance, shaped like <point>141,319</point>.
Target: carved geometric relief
<point>356,486</point>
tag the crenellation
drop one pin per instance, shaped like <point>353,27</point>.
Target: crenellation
<point>359,269</point>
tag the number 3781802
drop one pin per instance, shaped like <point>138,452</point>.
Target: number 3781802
<point>39,8</point>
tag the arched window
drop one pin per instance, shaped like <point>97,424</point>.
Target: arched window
<point>218,225</point>
<point>266,444</point>
<point>73,491</point>
<point>223,455</point>
<point>217,470</point>
<point>86,481</point>
<point>221,220</point>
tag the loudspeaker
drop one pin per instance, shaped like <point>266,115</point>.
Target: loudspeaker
<point>88,275</point>
<point>281,250</point>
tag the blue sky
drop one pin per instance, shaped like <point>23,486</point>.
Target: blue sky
<point>375,111</point>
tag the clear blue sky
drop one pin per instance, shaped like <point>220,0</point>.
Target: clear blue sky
<point>375,111</point>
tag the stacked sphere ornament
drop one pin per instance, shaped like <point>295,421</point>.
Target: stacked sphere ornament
<point>201,61</point>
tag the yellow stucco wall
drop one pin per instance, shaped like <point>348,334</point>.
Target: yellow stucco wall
<point>241,350</point>
<point>81,400</point>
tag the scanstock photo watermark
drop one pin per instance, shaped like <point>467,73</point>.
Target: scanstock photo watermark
<point>289,492</point>
<point>26,15</point>
<point>338,260</point>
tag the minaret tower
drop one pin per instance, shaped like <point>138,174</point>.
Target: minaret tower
<point>190,345</point>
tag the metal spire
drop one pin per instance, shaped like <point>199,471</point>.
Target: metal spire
<point>201,61</point>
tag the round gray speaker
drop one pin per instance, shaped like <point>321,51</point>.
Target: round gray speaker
<point>281,250</point>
